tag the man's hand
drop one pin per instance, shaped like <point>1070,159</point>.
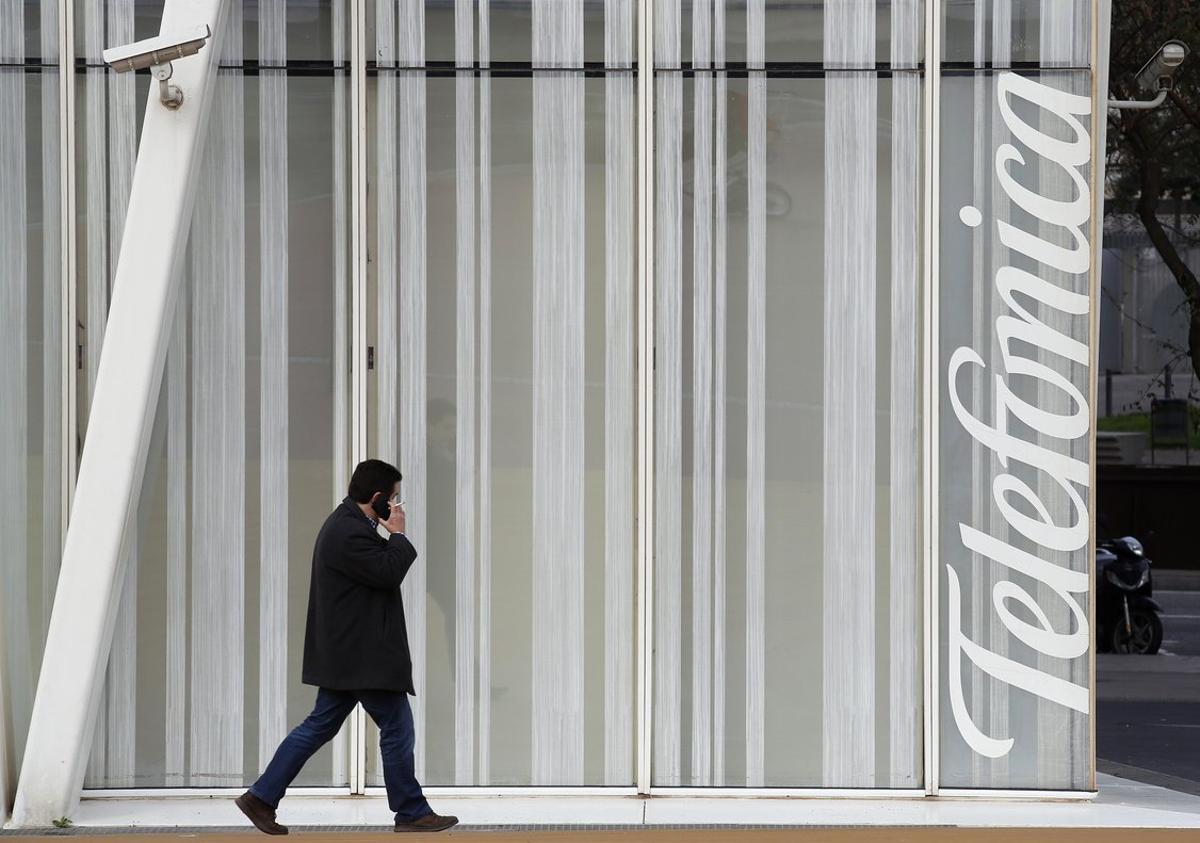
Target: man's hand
<point>395,522</point>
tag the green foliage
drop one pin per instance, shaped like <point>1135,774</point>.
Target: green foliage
<point>63,822</point>
<point>1140,423</point>
<point>1127,423</point>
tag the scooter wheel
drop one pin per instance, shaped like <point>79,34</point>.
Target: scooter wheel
<point>1146,637</point>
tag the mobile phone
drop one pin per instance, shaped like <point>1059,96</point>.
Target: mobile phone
<point>382,508</point>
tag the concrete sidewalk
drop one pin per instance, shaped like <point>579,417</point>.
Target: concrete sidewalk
<point>1120,804</point>
<point>692,835</point>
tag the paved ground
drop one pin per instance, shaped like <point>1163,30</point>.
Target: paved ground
<point>729,835</point>
<point>1181,621</point>
<point>1148,730</point>
<point>1148,707</point>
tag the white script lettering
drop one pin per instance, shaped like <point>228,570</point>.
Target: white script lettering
<point>1018,502</point>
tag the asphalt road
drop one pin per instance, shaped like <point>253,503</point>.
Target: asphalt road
<point>1181,622</point>
<point>1148,707</point>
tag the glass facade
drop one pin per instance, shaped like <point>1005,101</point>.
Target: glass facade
<point>252,426</point>
<point>1014,500</point>
<point>32,450</point>
<point>787,646</point>
<point>501,230</point>
<point>863,475</point>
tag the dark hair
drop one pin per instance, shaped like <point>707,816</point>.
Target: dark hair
<point>371,476</point>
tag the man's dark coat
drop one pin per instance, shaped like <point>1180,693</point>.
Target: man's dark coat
<point>356,638</point>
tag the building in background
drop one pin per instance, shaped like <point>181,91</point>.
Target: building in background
<point>1144,315</point>
<point>858,265</point>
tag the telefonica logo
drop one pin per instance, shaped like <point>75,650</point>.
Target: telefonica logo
<point>1053,461</point>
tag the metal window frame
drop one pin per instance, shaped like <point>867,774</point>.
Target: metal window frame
<point>357,763</point>
<point>69,423</point>
<point>1098,124</point>
<point>931,152</point>
<point>645,397</point>
<point>642,774</point>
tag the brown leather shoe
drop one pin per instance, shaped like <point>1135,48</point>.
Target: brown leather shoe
<point>259,813</point>
<point>429,822</point>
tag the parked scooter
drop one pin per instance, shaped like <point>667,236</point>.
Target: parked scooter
<point>1127,617</point>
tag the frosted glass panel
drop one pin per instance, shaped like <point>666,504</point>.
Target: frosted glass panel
<point>786,444</point>
<point>1008,33</point>
<point>502,294</point>
<point>1014,447</point>
<point>314,31</point>
<point>747,33</point>
<point>250,445</point>
<point>786,382</point>
<point>31,358</point>
<point>504,29</point>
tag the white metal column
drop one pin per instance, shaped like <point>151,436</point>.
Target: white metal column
<point>145,288</point>
<point>358,310</point>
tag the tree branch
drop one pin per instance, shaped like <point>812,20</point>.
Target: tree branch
<point>1147,207</point>
<point>1185,108</point>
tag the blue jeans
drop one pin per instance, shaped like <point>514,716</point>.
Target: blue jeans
<point>391,713</point>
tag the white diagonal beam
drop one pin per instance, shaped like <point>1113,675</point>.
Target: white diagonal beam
<point>110,472</point>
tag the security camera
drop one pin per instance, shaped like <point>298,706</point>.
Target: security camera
<point>1157,74</point>
<point>157,53</point>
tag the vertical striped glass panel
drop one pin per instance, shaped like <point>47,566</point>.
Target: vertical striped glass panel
<point>505,379</point>
<point>849,474</point>
<point>204,678</point>
<point>558,395</point>
<point>786,564</point>
<point>619,160</point>
<point>791,35</point>
<point>31,360</point>
<point>219,482</point>
<point>903,592</point>
<point>273,376</point>
<point>509,24</point>
<point>668,453</point>
<point>754,513</point>
<point>1004,33</point>
<point>1014,492</point>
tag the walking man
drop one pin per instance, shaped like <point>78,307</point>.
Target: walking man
<point>356,650</point>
